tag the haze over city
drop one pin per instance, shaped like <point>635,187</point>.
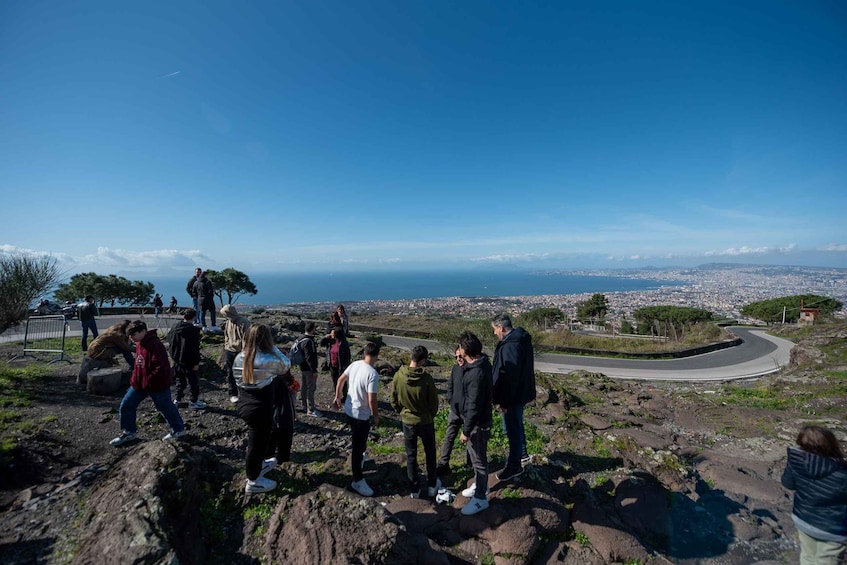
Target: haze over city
<point>283,136</point>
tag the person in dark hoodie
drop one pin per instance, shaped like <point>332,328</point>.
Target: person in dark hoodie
<point>454,420</point>
<point>151,376</point>
<point>817,472</point>
<point>475,408</point>
<point>514,387</point>
<point>414,397</point>
<point>184,340</point>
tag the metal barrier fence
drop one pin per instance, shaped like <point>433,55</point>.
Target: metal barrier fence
<point>45,334</point>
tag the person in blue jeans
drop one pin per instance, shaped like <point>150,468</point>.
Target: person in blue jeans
<point>87,310</point>
<point>514,387</point>
<point>189,288</point>
<point>151,376</point>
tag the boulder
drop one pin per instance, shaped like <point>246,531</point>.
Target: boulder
<point>88,365</point>
<point>105,381</point>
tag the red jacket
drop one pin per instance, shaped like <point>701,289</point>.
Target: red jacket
<point>152,371</point>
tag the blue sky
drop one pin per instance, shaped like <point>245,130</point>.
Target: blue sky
<point>283,136</point>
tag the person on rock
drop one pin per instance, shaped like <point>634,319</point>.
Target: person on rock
<point>184,340</point>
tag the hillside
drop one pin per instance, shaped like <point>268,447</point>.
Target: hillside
<point>621,472</point>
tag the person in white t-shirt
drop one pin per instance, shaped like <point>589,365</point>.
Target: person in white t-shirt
<point>361,404</point>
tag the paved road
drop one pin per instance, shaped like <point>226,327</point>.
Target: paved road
<point>759,354</point>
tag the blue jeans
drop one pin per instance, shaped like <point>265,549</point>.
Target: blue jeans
<point>162,400</point>
<point>513,427</point>
<point>196,303</point>
<point>88,325</point>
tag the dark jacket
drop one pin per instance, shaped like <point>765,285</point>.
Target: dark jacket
<point>189,287</point>
<point>344,355</point>
<point>514,369</point>
<point>413,396</point>
<point>205,292</point>
<point>454,389</point>
<point>310,353</point>
<point>820,499</point>
<point>185,344</point>
<point>476,396</point>
<point>86,311</point>
<point>152,370</point>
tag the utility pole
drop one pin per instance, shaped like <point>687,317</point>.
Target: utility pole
<point>783,314</point>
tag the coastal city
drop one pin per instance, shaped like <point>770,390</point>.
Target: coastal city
<point>722,289</point>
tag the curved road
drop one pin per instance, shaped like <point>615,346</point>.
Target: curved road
<point>759,354</point>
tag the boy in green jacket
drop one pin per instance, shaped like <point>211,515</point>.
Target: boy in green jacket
<point>414,397</point>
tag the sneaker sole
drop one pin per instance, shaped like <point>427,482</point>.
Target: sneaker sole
<point>509,477</point>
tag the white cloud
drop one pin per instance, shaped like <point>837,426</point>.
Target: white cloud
<point>157,258</point>
<point>840,247</point>
<point>744,250</point>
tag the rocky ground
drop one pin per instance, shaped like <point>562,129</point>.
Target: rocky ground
<point>621,472</point>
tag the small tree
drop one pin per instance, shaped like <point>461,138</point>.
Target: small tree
<point>23,278</point>
<point>232,282</point>
<point>593,308</point>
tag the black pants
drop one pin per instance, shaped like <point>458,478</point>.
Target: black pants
<point>229,358</point>
<point>360,429</point>
<point>335,373</point>
<point>454,425</point>
<point>282,435</point>
<point>185,373</point>
<point>256,408</point>
<point>426,433</point>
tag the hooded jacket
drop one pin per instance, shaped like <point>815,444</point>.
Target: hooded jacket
<point>476,395</point>
<point>413,396</point>
<point>152,370</point>
<point>820,500</point>
<point>235,329</point>
<point>514,369</point>
<point>185,344</point>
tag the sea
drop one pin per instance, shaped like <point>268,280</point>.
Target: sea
<point>290,288</point>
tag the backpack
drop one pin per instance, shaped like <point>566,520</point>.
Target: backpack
<point>295,354</point>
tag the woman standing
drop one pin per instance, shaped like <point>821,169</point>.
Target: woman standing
<point>817,472</point>
<point>255,368</point>
<point>338,355</point>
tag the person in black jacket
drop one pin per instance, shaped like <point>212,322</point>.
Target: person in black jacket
<point>205,298</point>
<point>189,288</point>
<point>475,408</point>
<point>454,420</point>
<point>338,355</point>
<point>309,370</point>
<point>514,387</point>
<point>817,472</point>
<point>184,340</point>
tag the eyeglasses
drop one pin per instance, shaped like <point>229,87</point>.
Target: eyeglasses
<point>459,357</point>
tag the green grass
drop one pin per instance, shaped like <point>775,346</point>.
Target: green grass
<point>765,397</point>
<point>14,394</point>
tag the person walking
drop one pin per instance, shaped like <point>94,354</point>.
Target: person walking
<point>454,420</point>
<point>151,376</point>
<point>184,340</point>
<point>157,306</point>
<point>234,331</point>
<point>309,370</point>
<point>192,292</point>
<point>360,405</point>
<point>514,387</point>
<point>475,410</point>
<point>338,354</point>
<point>255,368</point>
<point>817,473</point>
<point>205,298</point>
<point>87,310</point>
<point>414,397</point>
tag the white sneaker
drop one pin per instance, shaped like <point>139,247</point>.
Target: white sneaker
<point>233,399</point>
<point>198,405</point>
<point>432,491</point>
<point>471,490</point>
<point>173,435</point>
<point>475,506</point>
<point>314,414</point>
<point>267,465</point>
<point>362,488</point>
<point>125,437</point>
<point>261,484</point>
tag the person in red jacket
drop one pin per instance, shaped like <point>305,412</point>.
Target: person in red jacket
<point>151,376</point>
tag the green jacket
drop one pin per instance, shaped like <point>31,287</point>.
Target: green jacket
<point>413,396</point>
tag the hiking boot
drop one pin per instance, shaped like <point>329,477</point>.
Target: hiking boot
<point>509,474</point>
<point>471,490</point>
<point>125,437</point>
<point>173,435</point>
<point>261,484</point>
<point>362,488</point>
<point>197,405</point>
<point>475,506</point>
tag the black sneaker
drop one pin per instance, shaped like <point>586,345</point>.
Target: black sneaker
<point>443,469</point>
<point>509,474</point>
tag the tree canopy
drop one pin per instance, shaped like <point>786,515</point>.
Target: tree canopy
<point>232,282</point>
<point>593,308</point>
<point>770,311</point>
<point>109,288</point>
<point>541,318</point>
<point>23,278</point>
<point>670,321</point>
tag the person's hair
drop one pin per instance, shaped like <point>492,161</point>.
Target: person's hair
<point>258,338</point>
<point>503,321</point>
<point>120,327</point>
<point>371,349</point>
<point>135,327</point>
<point>419,354</point>
<point>189,314</point>
<point>820,441</point>
<point>90,298</point>
<point>334,319</point>
<point>470,344</point>
<point>310,327</point>
<point>337,333</point>
<point>340,307</point>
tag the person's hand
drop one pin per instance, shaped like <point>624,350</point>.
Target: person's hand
<point>196,367</point>
<point>463,438</point>
<point>376,420</point>
<point>336,403</point>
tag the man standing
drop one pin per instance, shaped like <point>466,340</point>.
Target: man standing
<point>514,386</point>
<point>184,341</point>
<point>87,310</point>
<point>157,306</point>
<point>189,288</point>
<point>205,298</point>
<point>234,332</point>
<point>414,397</point>
<point>454,420</point>
<point>360,405</point>
<point>309,369</point>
